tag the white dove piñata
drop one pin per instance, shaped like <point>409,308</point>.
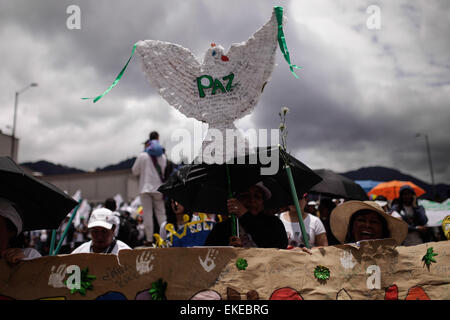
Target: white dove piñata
<point>222,89</point>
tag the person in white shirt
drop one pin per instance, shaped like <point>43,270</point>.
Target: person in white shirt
<point>11,226</point>
<point>150,169</point>
<point>101,226</point>
<point>314,227</point>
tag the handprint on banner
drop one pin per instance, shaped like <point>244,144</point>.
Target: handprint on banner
<point>208,264</point>
<point>347,260</point>
<point>143,263</point>
<point>56,278</point>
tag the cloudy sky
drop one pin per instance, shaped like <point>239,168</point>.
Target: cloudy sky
<point>362,95</point>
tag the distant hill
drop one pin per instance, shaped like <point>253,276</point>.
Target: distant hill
<point>388,174</point>
<point>368,173</point>
<point>49,168</point>
<point>126,164</point>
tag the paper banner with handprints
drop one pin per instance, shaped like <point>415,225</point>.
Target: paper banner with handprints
<point>375,270</point>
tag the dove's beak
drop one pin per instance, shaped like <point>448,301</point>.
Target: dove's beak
<point>225,58</point>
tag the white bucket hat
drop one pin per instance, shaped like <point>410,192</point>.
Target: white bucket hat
<point>8,211</point>
<point>102,218</point>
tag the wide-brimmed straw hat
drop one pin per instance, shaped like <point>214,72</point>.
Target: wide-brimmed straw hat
<point>342,214</point>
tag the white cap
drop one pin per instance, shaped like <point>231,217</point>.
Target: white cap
<point>102,218</point>
<point>8,211</point>
<point>312,203</point>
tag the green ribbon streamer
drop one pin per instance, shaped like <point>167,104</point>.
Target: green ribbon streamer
<point>52,243</point>
<point>119,76</point>
<point>282,40</point>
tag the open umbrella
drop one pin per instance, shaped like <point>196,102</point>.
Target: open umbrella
<point>42,205</point>
<point>391,189</point>
<point>205,187</point>
<point>436,212</point>
<point>336,185</point>
<point>367,185</point>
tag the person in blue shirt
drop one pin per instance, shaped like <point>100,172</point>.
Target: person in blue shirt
<point>179,231</point>
<point>413,214</point>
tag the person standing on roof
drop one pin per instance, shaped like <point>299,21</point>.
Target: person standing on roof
<point>150,166</point>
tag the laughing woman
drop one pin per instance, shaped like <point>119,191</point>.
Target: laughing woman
<point>354,221</point>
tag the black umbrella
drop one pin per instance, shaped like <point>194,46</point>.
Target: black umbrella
<point>42,205</point>
<point>204,187</point>
<point>336,185</point>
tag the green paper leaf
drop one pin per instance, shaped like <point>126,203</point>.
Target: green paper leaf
<point>158,289</point>
<point>86,282</point>
<point>322,273</point>
<point>241,264</point>
<point>429,256</point>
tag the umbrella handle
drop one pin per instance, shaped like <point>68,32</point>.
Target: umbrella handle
<point>297,206</point>
<point>234,231</point>
<point>52,243</point>
<point>67,228</point>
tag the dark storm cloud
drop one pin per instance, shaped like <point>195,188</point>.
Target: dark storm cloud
<point>361,97</point>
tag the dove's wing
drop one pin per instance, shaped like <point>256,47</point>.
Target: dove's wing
<point>173,70</point>
<point>252,63</point>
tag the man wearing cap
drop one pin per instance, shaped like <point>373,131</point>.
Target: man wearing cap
<point>101,226</point>
<point>413,214</point>
<point>383,202</point>
<point>311,206</point>
<point>11,225</point>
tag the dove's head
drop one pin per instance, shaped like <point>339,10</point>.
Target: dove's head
<point>215,54</point>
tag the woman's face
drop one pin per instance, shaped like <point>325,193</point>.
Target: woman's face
<point>367,225</point>
<point>177,208</point>
<point>407,197</point>
<point>301,203</point>
<point>253,200</point>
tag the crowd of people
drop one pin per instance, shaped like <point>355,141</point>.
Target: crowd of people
<point>327,222</point>
<point>165,222</point>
